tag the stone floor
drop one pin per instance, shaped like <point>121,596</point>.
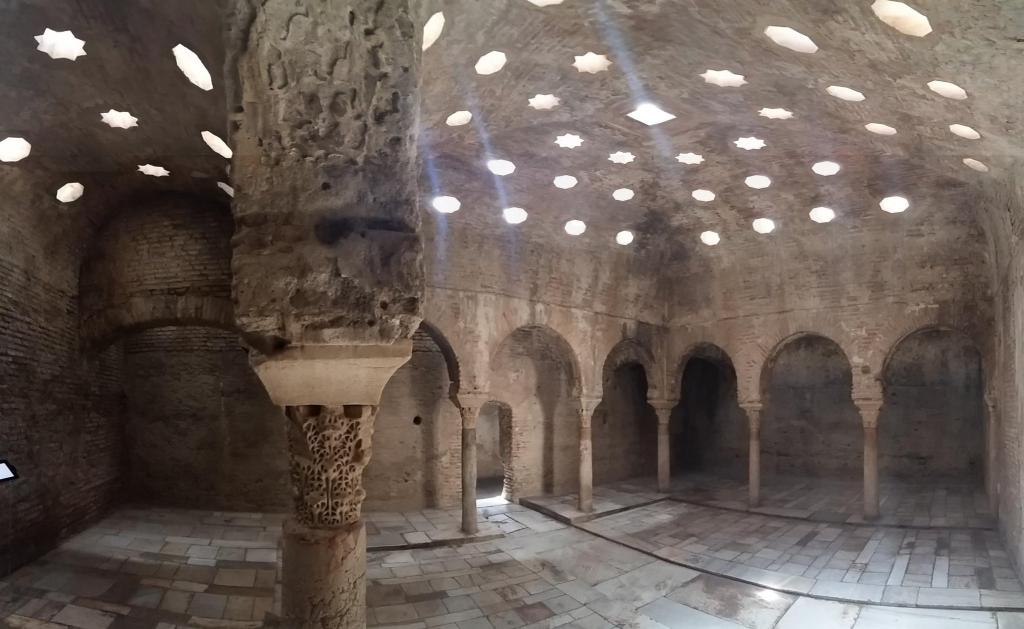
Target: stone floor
<point>608,499</point>
<point>823,500</point>
<point>428,527</point>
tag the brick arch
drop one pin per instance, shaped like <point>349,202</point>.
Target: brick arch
<point>630,350</point>
<point>166,261</point>
<point>906,334</point>
<point>565,349</point>
<point>451,359</point>
<point>706,350</point>
<point>769,360</point>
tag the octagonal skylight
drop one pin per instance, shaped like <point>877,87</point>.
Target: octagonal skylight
<point>822,214</point>
<point>947,89</point>
<point>217,145</point>
<point>153,171</point>
<point>60,44</point>
<point>703,196</point>
<point>763,225</point>
<point>569,141</point>
<point>543,102</point>
<point>710,238</point>
<point>724,78</point>
<point>621,157</point>
<point>565,182</point>
<point>964,131</point>
<point>545,3</point>
<point>623,194</point>
<point>845,93</point>
<point>974,164</point>
<point>192,67</point>
<point>70,192</point>
<point>228,190</point>
<point>591,63</point>
<point>791,38</point>
<point>14,149</point>
<point>880,129</point>
<point>689,158</point>
<point>775,113</point>
<point>894,205</point>
<point>501,167</point>
<point>432,29</point>
<point>902,17</point>
<point>750,143</point>
<point>758,182</point>
<point>458,118</point>
<point>650,114</point>
<point>514,215</point>
<point>119,119</point>
<point>446,204</point>
<point>624,237</point>
<point>575,227</point>
<point>490,63</point>
<point>826,168</point>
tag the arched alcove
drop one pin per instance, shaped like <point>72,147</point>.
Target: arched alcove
<point>624,429</point>
<point>416,458</point>
<point>536,372</point>
<point>708,431</point>
<point>494,450</point>
<point>932,423</point>
<point>810,425</point>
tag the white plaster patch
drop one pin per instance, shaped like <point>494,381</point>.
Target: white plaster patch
<point>791,38</point>
<point>60,44</point>
<point>192,67</point>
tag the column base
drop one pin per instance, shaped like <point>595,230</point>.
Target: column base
<point>323,577</point>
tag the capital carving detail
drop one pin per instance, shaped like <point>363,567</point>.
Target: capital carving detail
<point>869,411</point>
<point>328,448</point>
<point>469,415</point>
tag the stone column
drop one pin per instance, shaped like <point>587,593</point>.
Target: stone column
<point>991,445</point>
<point>869,410</point>
<point>663,408</point>
<point>469,415</point>
<point>753,410</point>
<point>586,493</point>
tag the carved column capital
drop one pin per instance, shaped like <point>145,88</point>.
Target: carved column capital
<point>753,410</point>
<point>469,415</point>
<point>586,410</point>
<point>663,408</point>
<point>869,410</point>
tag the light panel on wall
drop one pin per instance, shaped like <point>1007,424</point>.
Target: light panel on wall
<point>7,472</point>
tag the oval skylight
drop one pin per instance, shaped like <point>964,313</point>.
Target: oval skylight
<point>217,145</point>
<point>432,29</point>
<point>543,102</point>
<point>790,38</point>
<point>845,93</point>
<point>545,3</point>
<point>902,17</point>
<point>490,63</point>
<point>70,192</point>
<point>458,118</point>
<point>565,182</point>
<point>575,227</point>
<point>964,131</point>
<point>14,149</point>
<point>569,141</point>
<point>514,215</point>
<point>591,63</point>
<point>879,128</point>
<point>775,113</point>
<point>974,164</point>
<point>624,237</point>
<point>60,44</point>
<point>894,205</point>
<point>822,214</point>
<point>621,157</point>
<point>119,119</point>
<point>702,195</point>
<point>947,89</point>
<point>825,169</point>
<point>750,143</point>
<point>689,158</point>
<point>723,78</point>
<point>501,167</point>
<point>446,204</point>
<point>228,190</point>
<point>650,114</point>
<point>192,67</point>
<point>758,182</point>
<point>763,225</point>
<point>710,238</point>
<point>623,194</point>
<point>153,171</point>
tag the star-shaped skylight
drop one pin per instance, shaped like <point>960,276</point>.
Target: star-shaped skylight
<point>14,149</point>
<point>70,192</point>
<point>61,44</point>
<point>750,143</point>
<point>432,29</point>
<point>650,114</point>
<point>490,63</point>
<point>119,119</point>
<point>704,196</point>
<point>192,67</point>
<point>217,145</point>
<point>569,141</point>
<point>724,78</point>
<point>228,190</point>
<point>154,171</point>
<point>775,113</point>
<point>690,158</point>
<point>591,63</point>
<point>544,102</point>
<point>621,157</point>
<point>458,118</point>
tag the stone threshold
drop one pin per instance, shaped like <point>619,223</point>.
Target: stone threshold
<point>853,520</point>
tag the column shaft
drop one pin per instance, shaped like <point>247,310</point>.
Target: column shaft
<point>586,501</point>
<point>664,451</point>
<point>870,471</point>
<point>469,526</point>
<point>754,454</point>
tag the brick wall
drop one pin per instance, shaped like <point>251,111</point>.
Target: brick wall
<point>624,429</point>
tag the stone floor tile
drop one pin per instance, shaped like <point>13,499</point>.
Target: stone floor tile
<point>808,613</point>
<point>234,577</point>
<point>208,605</point>
<point>83,617</point>
<point>879,617</point>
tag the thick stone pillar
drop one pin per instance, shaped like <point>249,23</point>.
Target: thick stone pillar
<point>663,408</point>
<point>753,411</point>
<point>869,410</point>
<point>586,493</point>
<point>469,410</point>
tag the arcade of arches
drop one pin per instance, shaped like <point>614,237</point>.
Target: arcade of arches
<point>485,315</point>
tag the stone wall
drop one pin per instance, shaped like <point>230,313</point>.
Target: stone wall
<point>625,429</point>
<point>201,430</point>
<point>708,429</point>
<point>60,409</point>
